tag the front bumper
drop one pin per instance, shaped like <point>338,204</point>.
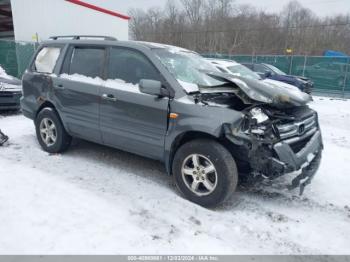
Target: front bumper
<point>304,164</point>
<point>10,100</point>
<point>299,156</point>
<point>290,161</point>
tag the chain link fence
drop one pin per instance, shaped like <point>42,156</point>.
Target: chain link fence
<point>15,56</point>
<point>331,75</point>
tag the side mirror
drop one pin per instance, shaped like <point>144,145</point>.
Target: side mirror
<point>268,74</point>
<point>152,87</point>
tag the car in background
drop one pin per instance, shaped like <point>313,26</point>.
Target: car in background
<point>327,73</point>
<point>239,70</point>
<point>272,72</point>
<point>10,91</point>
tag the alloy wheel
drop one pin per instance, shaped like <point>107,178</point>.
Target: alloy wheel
<point>48,131</point>
<point>199,174</point>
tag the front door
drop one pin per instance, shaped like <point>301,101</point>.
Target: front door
<point>129,119</point>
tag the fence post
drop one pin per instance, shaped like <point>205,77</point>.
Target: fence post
<point>346,77</point>
<point>305,59</point>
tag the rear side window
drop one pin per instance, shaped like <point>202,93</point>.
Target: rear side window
<point>130,66</point>
<point>87,61</point>
<point>46,59</point>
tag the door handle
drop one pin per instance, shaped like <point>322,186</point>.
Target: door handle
<point>59,87</point>
<point>109,97</point>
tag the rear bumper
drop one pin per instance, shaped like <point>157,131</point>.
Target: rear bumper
<point>10,100</point>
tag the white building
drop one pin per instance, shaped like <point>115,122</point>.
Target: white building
<point>27,20</point>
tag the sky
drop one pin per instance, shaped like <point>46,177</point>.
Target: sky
<point>319,7</point>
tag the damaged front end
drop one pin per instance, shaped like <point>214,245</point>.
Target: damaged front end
<point>277,142</point>
<point>279,134</point>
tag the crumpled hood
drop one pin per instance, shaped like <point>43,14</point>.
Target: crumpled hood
<point>266,91</point>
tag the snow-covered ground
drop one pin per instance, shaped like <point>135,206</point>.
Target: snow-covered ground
<point>97,200</point>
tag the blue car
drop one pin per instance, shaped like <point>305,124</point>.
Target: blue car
<point>272,72</point>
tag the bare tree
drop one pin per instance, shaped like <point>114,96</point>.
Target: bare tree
<point>225,27</point>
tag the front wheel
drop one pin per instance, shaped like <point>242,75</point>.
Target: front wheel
<point>205,172</point>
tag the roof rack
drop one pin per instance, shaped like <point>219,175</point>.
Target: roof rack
<point>78,37</point>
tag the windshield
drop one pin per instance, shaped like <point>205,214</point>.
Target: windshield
<point>275,70</point>
<point>186,67</point>
<point>241,70</point>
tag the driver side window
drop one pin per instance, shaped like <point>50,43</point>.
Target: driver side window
<point>130,66</point>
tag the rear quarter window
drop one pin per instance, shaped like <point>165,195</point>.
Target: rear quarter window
<point>46,59</point>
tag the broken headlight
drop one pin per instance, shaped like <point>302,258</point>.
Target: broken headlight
<point>258,115</point>
<point>258,125</point>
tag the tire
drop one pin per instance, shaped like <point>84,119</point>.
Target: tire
<point>48,122</point>
<point>207,153</point>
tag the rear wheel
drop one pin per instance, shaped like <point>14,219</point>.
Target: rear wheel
<point>205,172</point>
<point>50,131</point>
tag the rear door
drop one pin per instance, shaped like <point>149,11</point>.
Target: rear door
<point>129,119</point>
<point>77,90</point>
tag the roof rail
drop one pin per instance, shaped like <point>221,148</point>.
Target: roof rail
<point>78,37</point>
